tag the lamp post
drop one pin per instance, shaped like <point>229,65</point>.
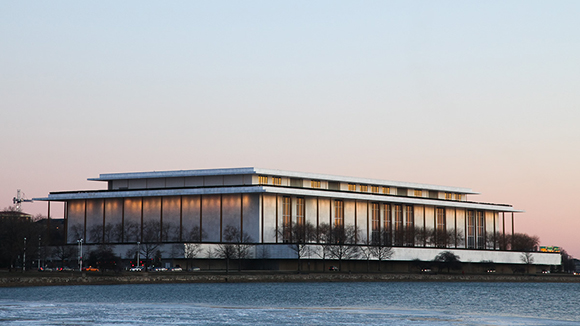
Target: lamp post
<point>138,251</point>
<point>39,239</point>
<point>80,245</point>
<point>24,257</point>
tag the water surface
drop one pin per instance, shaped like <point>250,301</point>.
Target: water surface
<point>394,303</point>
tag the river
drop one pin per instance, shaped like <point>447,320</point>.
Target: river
<point>341,303</point>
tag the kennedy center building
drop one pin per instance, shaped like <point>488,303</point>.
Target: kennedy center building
<point>199,206</point>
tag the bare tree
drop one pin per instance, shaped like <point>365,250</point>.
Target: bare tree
<point>151,241</point>
<point>366,252</point>
<point>493,240</point>
<point>210,254</point>
<point>117,232</point>
<point>322,237</point>
<point>225,251</point>
<point>523,242</point>
<point>528,259</point>
<point>342,243</point>
<point>301,234</point>
<point>169,232</point>
<point>194,248</point>
<point>440,238</point>
<point>237,245</point>
<point>195,235</point>
<point>191,251</point>
<point>132,231</point>
<point>447,259</point>
<point>568,265</point>
<point>76,232</point>
<point>423,236</point>
<point>454,238</point>
<point>64,253</point>
<point>381,248</point>
<point>96,233</point>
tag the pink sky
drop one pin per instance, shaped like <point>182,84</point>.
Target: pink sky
<point>477,95</point>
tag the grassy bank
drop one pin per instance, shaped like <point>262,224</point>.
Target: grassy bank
<point>88,278</point>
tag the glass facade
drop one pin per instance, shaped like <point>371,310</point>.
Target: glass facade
<point>300,218</point>
<point>338,213</point>
<point>375,223</point>
<point>286,219</point>
<point>480,230</point>
<point>388,225</point>
<point>470,229</point>
<point>388,220</point>
<point>398,219</point>
<point>409,225</point>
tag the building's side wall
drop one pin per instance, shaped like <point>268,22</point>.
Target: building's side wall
<point>251,217</point>
<point>269,218</point>
<point>349,212</point>
<point>76,220</point>
<point>460,213</point>
<point>191,223</point>
<point>363,221</point>
<point>132,220</point>
<point>94,221</point>
<point>205,218</point>
<point>113,220</point>
<point>171,218</point>
<point>212,224</point>
<point>311,210</point>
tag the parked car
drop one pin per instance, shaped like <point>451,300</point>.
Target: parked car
<point>193,269</point>
<point>333,269</point>
<point>136,269</point>
<point>176,269</point>
<point>159,269</point>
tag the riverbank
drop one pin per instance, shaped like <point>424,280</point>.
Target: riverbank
<point>95,278</point>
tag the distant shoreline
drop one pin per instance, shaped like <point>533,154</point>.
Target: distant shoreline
<point>95,278</point>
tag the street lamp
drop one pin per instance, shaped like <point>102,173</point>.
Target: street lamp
<point>39,239</point>
<point>80,245</point>
<point>24,257</point>
<point>138,251</point>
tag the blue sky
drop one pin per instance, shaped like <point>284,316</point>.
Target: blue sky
<point>472,94</point>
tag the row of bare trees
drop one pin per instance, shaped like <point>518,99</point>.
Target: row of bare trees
<point>418,237</point>
<point>301,234</point>
<point>152,231</point>
<point>338,242</point>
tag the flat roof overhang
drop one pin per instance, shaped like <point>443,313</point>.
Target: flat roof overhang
<point>280,173</point>
<point>65,196</point>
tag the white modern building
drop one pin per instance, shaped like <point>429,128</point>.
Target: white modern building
<point>196,206</point>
